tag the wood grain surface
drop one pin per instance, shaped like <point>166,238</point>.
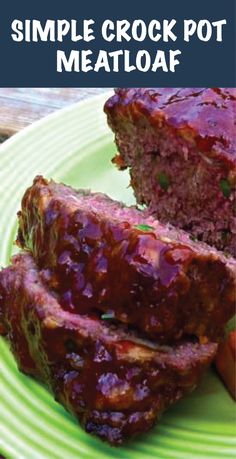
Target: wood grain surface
<point>20,107</point>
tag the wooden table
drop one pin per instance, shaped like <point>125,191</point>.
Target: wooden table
<point>20,107</point>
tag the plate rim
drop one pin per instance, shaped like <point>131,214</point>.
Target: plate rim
<point>15,137</point>
<point>38,124</point>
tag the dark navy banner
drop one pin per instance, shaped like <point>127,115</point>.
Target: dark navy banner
<point>123,43</point>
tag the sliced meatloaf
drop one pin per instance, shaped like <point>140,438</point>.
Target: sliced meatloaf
<point>114,382</point>
<point>116,261</point>
<point>180,147</point>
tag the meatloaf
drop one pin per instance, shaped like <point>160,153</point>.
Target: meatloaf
<point>114,382</point>
<point>104,257</point>
<point>180,147</point>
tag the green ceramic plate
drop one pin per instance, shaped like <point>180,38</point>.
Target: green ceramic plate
<point>75,146</point>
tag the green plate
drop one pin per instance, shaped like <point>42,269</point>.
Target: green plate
<point>75,146</point>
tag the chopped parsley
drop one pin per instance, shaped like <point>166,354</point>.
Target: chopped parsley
<point>108,315</point>
<point>224,236</point>
<point>225,188</point>
<point>193,237</point>
<point>163,180</point>
<point>144,227</point>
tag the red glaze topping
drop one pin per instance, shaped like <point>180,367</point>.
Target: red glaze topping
<point>205,115</point>
<point>114,382</point>
<point>121,271</point>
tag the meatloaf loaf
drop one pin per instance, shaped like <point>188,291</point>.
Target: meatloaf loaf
<point>116,261</point>
<point>114,382</point>
<point>180,147</point>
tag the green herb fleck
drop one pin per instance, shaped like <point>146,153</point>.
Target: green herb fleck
<point>163,180</point>
<point>144,227</point>
<point>225,235</point>
<point>193,237</point>
<point>108,316</point>
<point>225,188</point>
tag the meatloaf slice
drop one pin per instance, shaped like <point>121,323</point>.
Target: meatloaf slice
<point>180,147</point>
<point>114,382</point>
<point>100,255</point>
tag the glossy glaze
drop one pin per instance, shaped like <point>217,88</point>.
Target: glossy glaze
<point>102,264</point>
<point>186,135</point>
<point>205,115</point>
<point>114,382</point>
